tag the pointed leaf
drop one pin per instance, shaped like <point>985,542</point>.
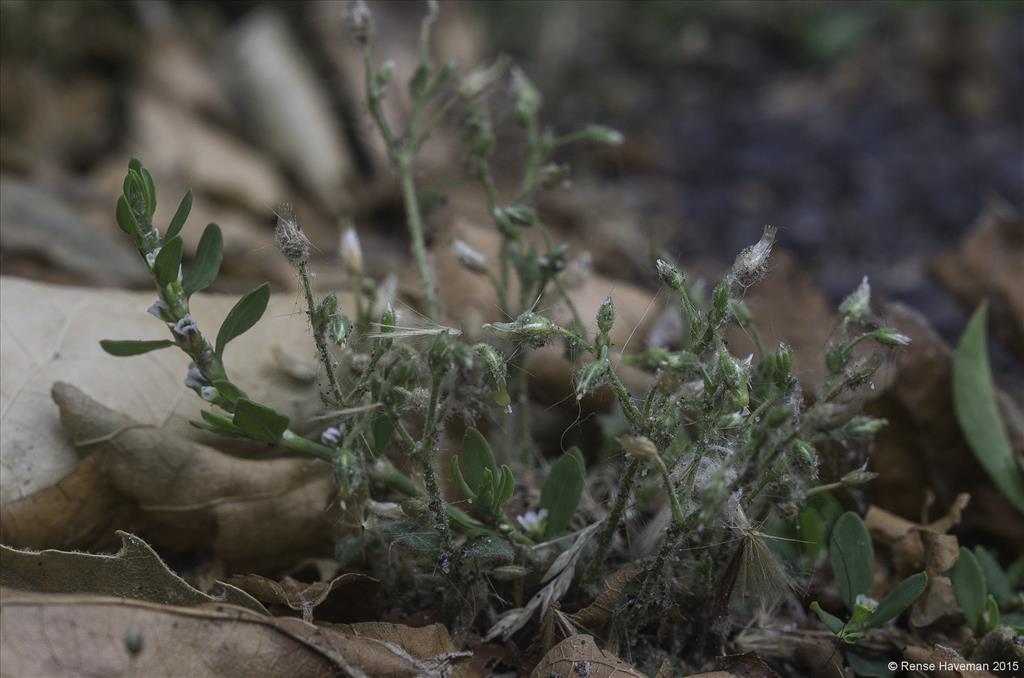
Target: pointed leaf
<point>485,491</point>
<point>230,392</point>
<point>477,458</point>
<point>125,219</point>
<point>207,262</point>
<point>168,262</point>
<point>975,400</point>
<point>128,347</point>
<point>832,622</point>
<point>969,587</point>
<point>217,423</point>
<point>561,492</point>
<point>996,581</point>
<point>899,599</point>
<point>180,216</point>
<point>381,430</point>
<point>259,422</point>
<point>246,313</point>
<point>853,558</point>
<point>150,187</point>
<point>467,492</point>
<point>506,486</point>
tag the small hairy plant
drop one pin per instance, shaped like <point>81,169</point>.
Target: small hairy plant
<point>733,442</point>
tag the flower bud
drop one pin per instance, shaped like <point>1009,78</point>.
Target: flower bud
<point>384,74</point>
<point>858,477</point>
<point>670,276</point>
<point>590,377</point>
<point>752,263</point>
<point>351,252</point>
<point>526,96</point>
<point>640,447</point>
<point>289,238</point>
<point>887,336</point>
<point>864,427</point>
<point>359,21</point>
<point>554,175</point>
<point>605,136</point>
<point>606,316</point>
<point>470,259</point>
<point>857,305</point>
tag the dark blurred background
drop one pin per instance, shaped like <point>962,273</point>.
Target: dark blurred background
<point>873,134</point>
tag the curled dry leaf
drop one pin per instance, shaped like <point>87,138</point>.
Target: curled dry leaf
<point>74,635</point>
<point>51,333</point>
<point>135,572</point>
<point>295,594</point>
<point>597,614</point>
<point>251,514</point>
<point>945,659</point>
<point>915,547</point>
<point>579,657</point>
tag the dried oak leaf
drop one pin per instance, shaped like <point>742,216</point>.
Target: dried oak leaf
<point>988,264</point>
<point>52,332</point>
<point>72,635</point>
<point>135,572</point>
<point>294,594</point>
<point>58,635</point>
<point>252,514</point>
<point>579,657</point>
<point>597,614</point>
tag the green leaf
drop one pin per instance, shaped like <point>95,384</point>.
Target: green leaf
<point>207,262</point>
<point>150,187</point>
<point>477,457</point>
<point>969,587</point>
<point>381,430</point>
<point>125,219</point>
<point>259,422</point>
<point>1015,573</point>
<point>246,313</point>
<point>813,533</point>
<point>467,492</point>
<point>991,613</point>
<point>506,486</point>
<point>168,262</point>
<point>485,492</point>
<point>561,492</point>
<point>868,665</point>
<point>975,401</point>
<point>230,392</point>
<point>832,622</point>
<point>899,599</point>
<point>853,558</point>
<point>996,581</point>
<point>217,423</point>
<point>128,347</point>
<point>180,216</point>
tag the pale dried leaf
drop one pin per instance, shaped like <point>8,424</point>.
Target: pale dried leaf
<point>251,514</point>
<point>52,333</point>
<point>597,614</point>
<point>296,595</point>
<point>57,635</point>
<point>579,657</point>
<point>134,572</point>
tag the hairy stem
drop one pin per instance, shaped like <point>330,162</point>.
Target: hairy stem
<point>318,337</point>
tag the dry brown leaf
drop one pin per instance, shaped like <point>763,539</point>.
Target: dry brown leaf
<point>904,536</point>
<point>52,333</point>
<point>57,635</point>
<point>74,635</point>
<point>295,594</point>
<point>252,514</point>
<point>988,264</point>
<point>134,572</point>
<point>597,614</point>
<point>579,657</point>
<point>941,657</point>
<point>397,651</point>
<point>747,665</point>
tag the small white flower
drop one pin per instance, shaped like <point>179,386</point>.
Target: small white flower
<point>533,521</point>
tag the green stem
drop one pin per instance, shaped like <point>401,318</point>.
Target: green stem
<point>415,224</point>
<point>318,336</point>
<point>611,525</point>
